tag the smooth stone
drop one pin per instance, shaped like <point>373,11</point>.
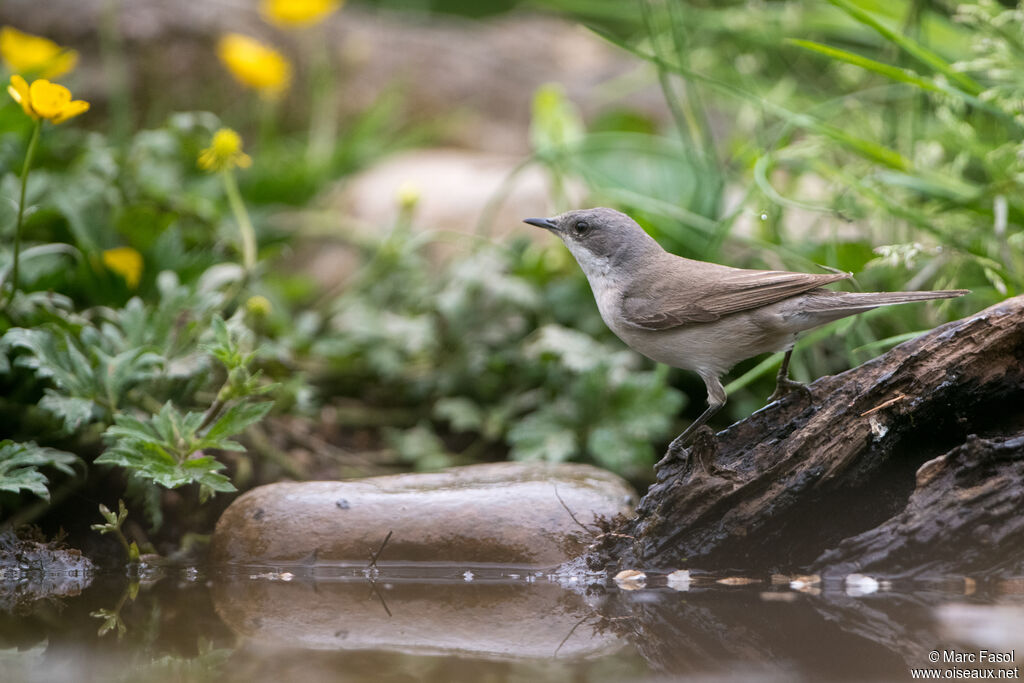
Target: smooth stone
<point>479,619</point>
<point>514,514</point>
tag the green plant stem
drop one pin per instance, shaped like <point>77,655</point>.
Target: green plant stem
<point>485,223</point>
<point>685,122</point>
<point>262,444</point>
<point>694,101</point>
<point>119,535</point>
<point>21,202</point>
<point>323,120</point>
<point>267,123</point>
<point>223,396</point>
<point>242,218</point>
<point>115,67</point>
<point>211,414</point>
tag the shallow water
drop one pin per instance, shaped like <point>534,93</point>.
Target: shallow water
<point>485,623</point>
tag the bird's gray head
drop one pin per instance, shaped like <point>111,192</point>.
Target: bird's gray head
<point>599,238</point>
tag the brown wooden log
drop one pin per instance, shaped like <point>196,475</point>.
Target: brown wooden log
<point>911,463</point>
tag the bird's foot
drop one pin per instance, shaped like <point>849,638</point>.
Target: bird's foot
<point>678,447</point>
<point>786,386</point>
<point>702,451</point>
<point>675,451</point>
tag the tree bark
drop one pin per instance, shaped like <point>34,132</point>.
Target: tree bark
<point>910,464</point>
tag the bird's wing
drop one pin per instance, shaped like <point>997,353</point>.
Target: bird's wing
<point>687,297</point>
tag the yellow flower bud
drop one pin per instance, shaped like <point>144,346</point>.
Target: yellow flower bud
<point>254,64</point>
<point>258,306</point>
<point>126,262</point>
<point>225,152</point>
<point>408,195</point>
<point>26,53</point>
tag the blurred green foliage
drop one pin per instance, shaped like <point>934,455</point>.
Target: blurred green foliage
<point>485,348</point>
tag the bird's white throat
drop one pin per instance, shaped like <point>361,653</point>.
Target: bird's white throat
<point>593,266</point>
<point>605,282</point>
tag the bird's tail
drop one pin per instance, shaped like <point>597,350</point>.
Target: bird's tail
<point>827,305</point>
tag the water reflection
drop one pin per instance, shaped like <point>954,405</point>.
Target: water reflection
<point>443,624</point>
<point>455,611</point>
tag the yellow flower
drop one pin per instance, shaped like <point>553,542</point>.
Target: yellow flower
<point>297,12</point>
<point>254,64</point>
<point>126,262</point>
<point>224,152</point>
<point>45,100</point>
<point>34,54</point>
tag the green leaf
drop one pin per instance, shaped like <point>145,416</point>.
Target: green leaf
<point>20,463</point>
<point>90,364</point>
<point>656,175</point>
<point>146,495</point>
<point>111,620</point>
<point>74,412</point>
<point>420,446</point>
<point>206,471</point>
<point>225,347</point>
<point>555,124</point>
<point>220,331</point>
<point>129,427</point>
<point>164,448</point>
<point>235,420</point>
<point>542,436</point>
<point>612,448</point>
<point>145,460</point>
<point>461,413</point>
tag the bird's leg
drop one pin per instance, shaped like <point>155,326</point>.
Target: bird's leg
<point>716,399</point>
<point>707,448</point>
<point>785,385</point>
<point>683,439</point>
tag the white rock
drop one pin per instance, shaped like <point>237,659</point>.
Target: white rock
<point>631,579</point>
<point>859,584</point>
<point>679,580</point>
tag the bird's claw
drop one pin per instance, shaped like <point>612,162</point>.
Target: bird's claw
<point>786,386</point>
<point>682,447</point>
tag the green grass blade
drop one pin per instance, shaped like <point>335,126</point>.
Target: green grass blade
<point>765,367</point>
<point>913,48</point>
<point>892,72</point>
<point>866,148</point>
<point>883,344</point>
<point>902,75</point>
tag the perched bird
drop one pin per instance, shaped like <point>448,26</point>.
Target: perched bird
<point>702,316</point>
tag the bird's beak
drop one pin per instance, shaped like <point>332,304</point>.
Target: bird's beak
<point>545,223</point>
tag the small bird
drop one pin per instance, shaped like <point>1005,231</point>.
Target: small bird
<point>703,316</point>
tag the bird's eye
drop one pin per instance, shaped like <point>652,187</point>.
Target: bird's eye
<point>582,227</point>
